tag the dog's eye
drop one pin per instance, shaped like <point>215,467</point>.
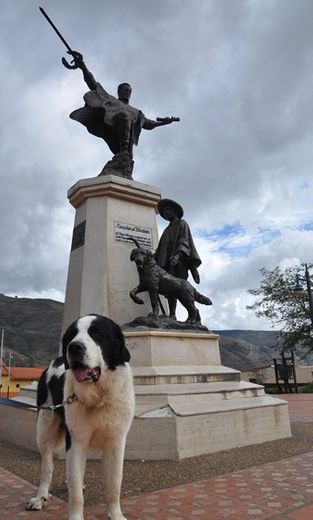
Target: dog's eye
<point>94,333</point>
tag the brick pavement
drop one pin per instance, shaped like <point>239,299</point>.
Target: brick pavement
<point>300,407</point>
<point>275,491</point>
<point>281,490</point>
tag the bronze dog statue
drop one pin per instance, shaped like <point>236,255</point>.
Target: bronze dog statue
<point>155,280</point>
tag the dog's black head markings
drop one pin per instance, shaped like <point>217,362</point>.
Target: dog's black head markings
<point>91,345</point>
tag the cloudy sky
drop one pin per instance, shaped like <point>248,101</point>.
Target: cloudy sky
<point>239,74</point>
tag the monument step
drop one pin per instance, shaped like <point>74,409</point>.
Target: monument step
<point>199,404</point>
<point>157,397</point>
<point>26,399</point>
<point>160,375</point>
<point>191,428</point>
<point>199,388</point>
<point>187,426</point>
<point>190,406</point>
<point>29,390</point>
<point>149,395</point>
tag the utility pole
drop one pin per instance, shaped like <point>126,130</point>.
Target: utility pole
<point>9,373</point>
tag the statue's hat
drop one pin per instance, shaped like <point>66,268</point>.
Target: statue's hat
<point>163,203</point>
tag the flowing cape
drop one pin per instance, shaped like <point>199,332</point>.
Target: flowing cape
<point>99,117</point>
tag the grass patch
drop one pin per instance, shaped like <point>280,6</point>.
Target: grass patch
<point>272,390</point>
<point>307,389</point>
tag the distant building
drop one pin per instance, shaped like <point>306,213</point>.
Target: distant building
<point>15,377</point>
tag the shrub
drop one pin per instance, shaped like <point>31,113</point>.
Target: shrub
<point>307,389</point>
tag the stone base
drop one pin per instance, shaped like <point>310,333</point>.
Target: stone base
<point>162,348</point>
<point>177,432</point>
<point>187,403</point>
<point>18,425</point>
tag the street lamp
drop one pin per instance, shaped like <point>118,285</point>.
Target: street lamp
<point>302,292</point>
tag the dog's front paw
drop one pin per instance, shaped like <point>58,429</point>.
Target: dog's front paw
<point>115,513</point>
<point>136,299</point>
<point>75,516</point>
<point>37,503</point>
<point>153,315</point>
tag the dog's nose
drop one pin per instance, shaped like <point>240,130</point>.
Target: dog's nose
<point>76,347</point>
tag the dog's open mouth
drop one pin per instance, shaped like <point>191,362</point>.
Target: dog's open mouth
<point>83,373</point>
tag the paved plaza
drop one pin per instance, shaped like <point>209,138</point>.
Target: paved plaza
<point>273,491</point>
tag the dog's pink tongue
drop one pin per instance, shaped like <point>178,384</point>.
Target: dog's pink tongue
<point>86,374</point>
<point>81,374</point>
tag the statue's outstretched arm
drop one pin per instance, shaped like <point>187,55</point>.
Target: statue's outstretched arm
<point>79,63</point>
<point>149,124</point>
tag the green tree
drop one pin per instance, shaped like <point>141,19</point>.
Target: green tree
<point>277,301</point>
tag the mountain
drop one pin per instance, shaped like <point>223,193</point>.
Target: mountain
<point>243,349</point>
<point>32,329</point>
<point>17,360</point>
<point>260,338</point>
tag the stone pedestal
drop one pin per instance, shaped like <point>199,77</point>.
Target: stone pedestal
<point>188,404</point>
<point>100,274</point>
<point>165,348</point>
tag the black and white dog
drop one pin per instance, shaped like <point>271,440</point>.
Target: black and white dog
<point>95,375</point>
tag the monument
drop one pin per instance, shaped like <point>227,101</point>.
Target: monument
<point>187,402</point>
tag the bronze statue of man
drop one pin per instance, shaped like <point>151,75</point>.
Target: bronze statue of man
<point>113,119</point>
<point>176,251</point>
<point>110,118</point>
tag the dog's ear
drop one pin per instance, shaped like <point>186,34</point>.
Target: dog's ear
<point>69,334</point>
<point>123,349</point>
<point>132,255</point>
<point>120,354</point>
<point>108,335</point>
<point>64,351</point>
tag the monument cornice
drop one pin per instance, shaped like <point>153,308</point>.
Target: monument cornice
<point>172,333</point>
<point>115,187</point>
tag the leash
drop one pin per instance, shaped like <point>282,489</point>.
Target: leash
<point>18,404</point>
